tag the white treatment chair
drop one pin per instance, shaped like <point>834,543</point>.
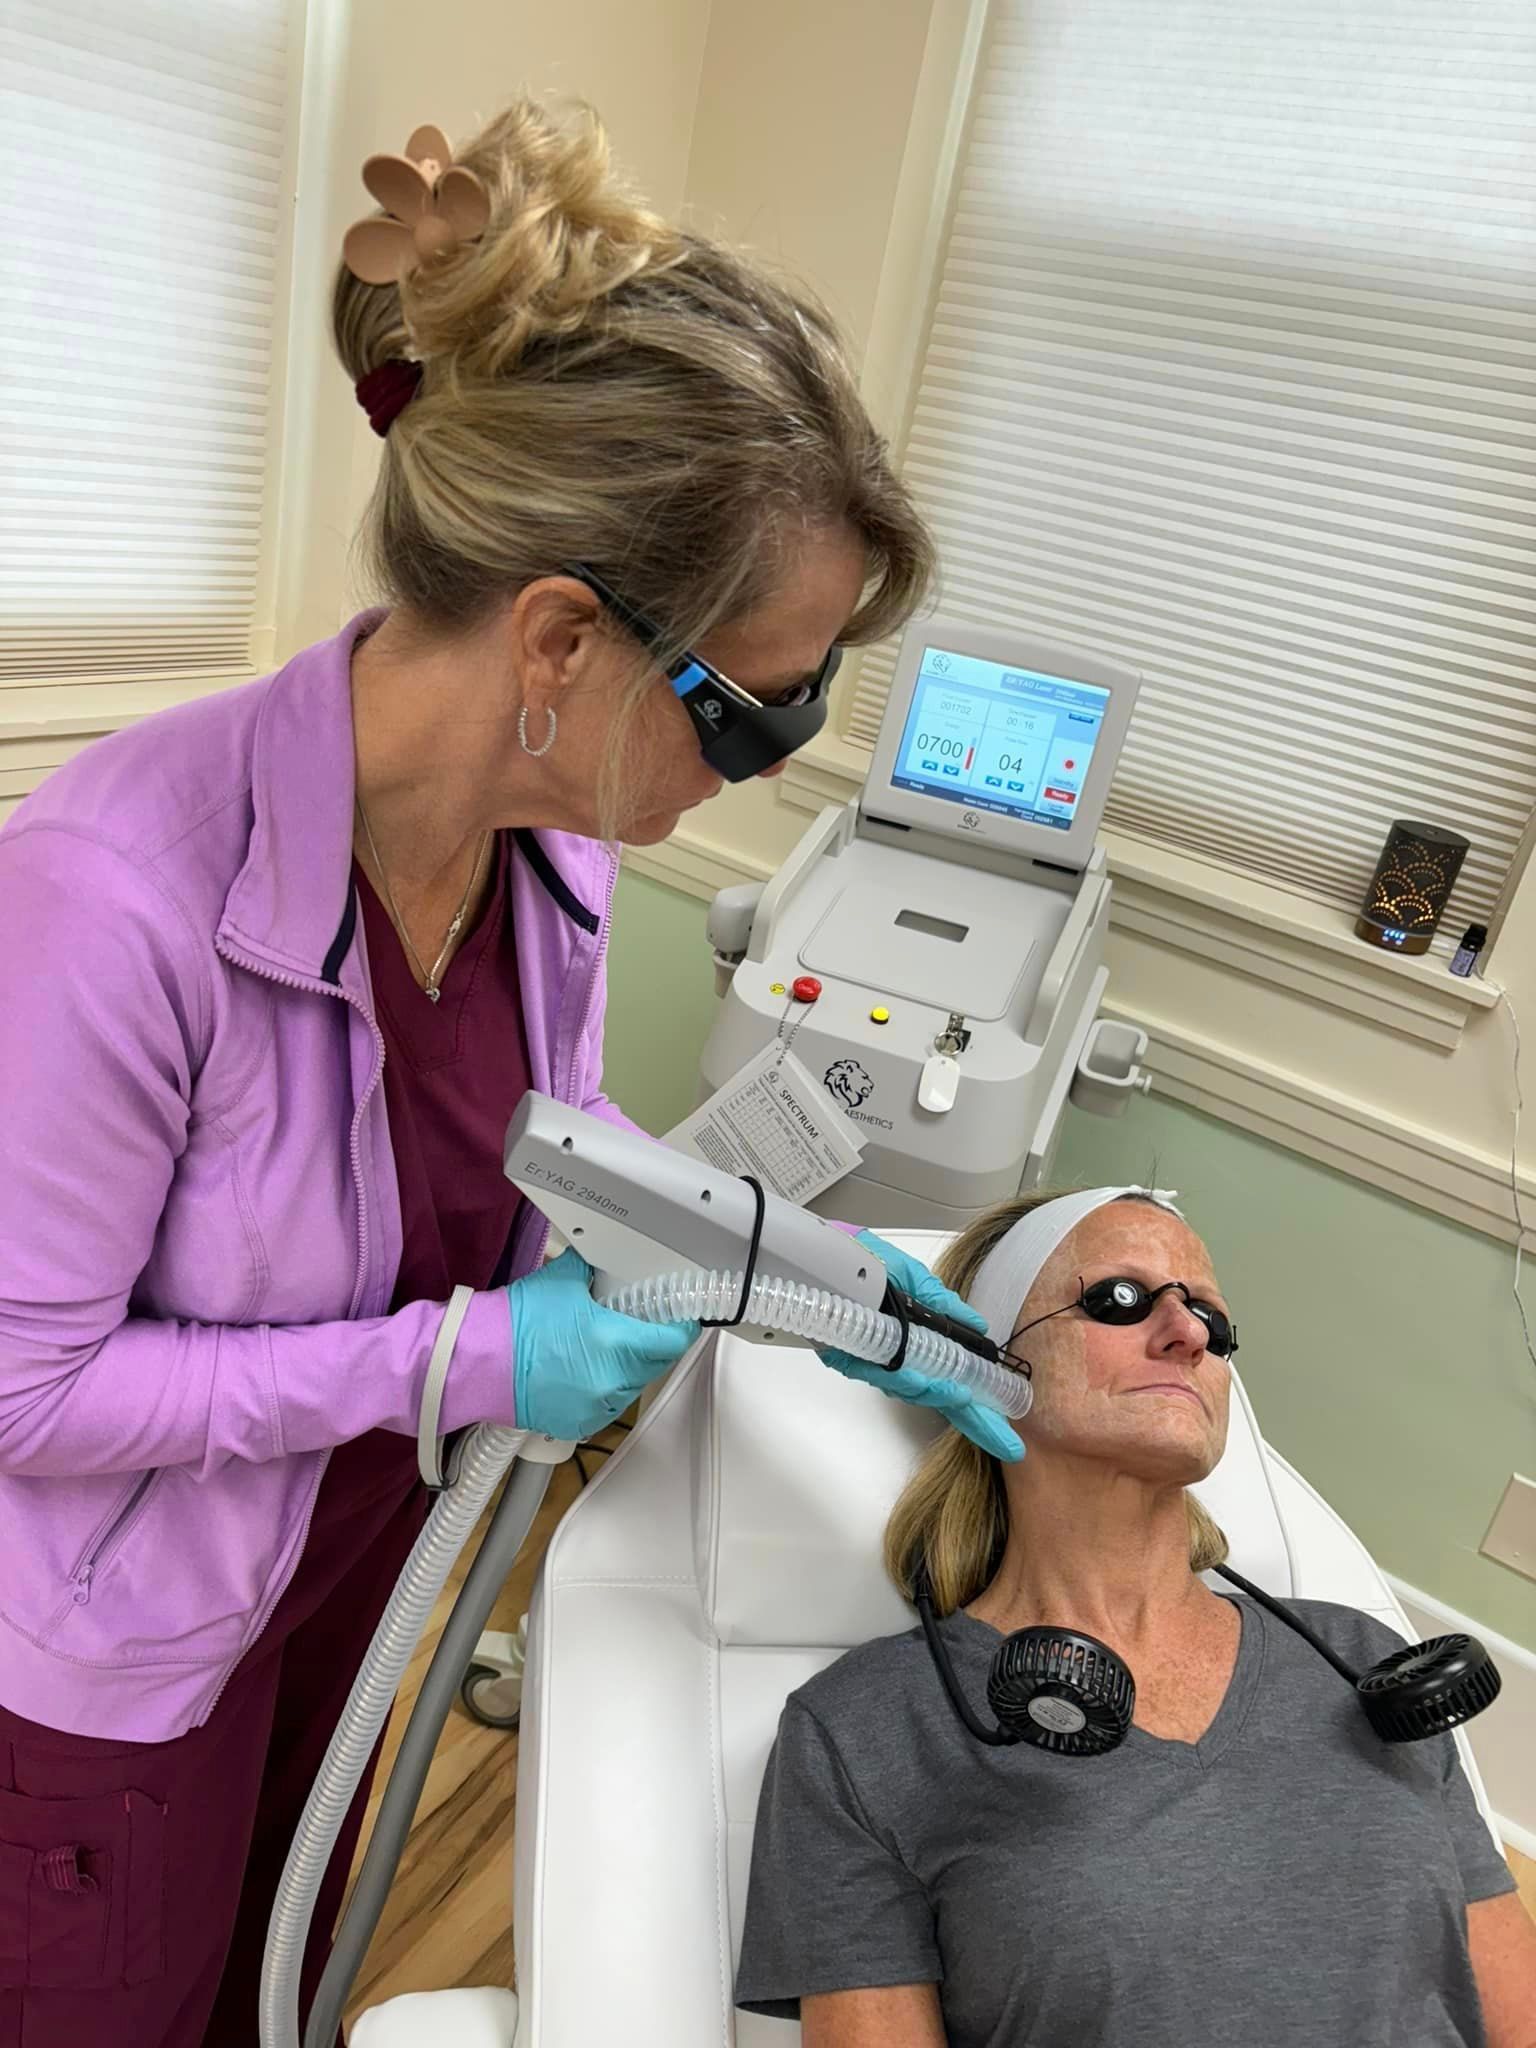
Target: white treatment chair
<point>725,1554</point>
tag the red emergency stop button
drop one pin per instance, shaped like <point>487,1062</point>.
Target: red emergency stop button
<point>806,989</point>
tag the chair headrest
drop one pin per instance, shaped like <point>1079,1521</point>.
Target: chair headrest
<point>798,1469</point>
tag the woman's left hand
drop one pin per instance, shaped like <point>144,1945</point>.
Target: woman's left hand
<point>576,1366</point>
<point>993,1432</point>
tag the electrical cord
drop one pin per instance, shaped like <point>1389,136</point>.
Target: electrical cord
<point>603,1450</point>
<point>1514,1164</point>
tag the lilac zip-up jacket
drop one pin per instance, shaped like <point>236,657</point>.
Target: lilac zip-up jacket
<point>199,1215</point>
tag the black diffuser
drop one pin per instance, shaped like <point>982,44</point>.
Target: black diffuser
<point>1411,886</point>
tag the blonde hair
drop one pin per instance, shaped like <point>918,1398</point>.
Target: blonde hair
<point>952,1516</point>
<point>603,388</point>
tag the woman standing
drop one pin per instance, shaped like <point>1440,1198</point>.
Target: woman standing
<point>281,964</point>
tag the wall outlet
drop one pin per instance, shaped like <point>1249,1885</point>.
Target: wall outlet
<point>1511,1537</point>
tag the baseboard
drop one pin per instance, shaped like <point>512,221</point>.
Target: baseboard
<point>1500,1738</point>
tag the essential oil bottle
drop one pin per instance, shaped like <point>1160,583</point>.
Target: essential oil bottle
<point>1473,940</point>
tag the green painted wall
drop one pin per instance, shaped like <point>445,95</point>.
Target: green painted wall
<point>1380,1343</point>
<point>661,1001</point>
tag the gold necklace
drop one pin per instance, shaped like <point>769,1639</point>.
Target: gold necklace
<point>431,985</point>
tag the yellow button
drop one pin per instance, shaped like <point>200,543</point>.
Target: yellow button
<point>879,1016</point>
<point>776,988</point>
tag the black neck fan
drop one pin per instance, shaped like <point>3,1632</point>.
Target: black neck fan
<point>1063,1691</point>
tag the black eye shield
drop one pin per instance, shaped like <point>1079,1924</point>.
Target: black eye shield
<point>739,735</point>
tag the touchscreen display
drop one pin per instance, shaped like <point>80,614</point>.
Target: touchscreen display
<point>998,738</point>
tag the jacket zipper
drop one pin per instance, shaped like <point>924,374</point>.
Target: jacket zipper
<point>331,988</point>
<point>324,988</point>
<point>597,964</point>
<point>101,1549</point>
<point>541,1241</point>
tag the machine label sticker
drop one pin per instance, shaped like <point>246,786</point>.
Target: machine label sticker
<point>770,1119</point>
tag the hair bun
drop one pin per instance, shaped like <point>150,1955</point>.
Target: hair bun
<point>597,386</point>
<point>563,233</point>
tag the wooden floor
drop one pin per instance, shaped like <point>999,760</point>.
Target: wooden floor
<point>449,1918</point>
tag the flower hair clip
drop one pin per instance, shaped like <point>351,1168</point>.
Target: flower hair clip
<point>433,206</point>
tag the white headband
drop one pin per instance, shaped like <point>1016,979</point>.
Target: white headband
<point>1013,1266</point>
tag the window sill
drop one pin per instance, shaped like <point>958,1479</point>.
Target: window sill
<point>1247,926</point>
<point>43,725</point>
<point>47,711</point>
<point>1269,935</point>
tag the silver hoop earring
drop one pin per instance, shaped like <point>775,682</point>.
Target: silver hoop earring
<point>538,753</point>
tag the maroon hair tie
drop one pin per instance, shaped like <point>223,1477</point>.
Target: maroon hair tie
<point>385,392</point>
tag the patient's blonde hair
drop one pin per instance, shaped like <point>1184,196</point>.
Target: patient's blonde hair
<point>952,1516</point>
<point>600,387</point>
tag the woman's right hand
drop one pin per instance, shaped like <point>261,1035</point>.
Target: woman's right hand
<point>576,1365</point>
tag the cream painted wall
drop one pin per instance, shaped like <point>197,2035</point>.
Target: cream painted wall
<point>788,128</point>
<point>376,69</point>
<point>799,145</point>
<point>800,134</point>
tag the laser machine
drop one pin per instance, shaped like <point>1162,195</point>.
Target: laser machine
<point>948,929</point>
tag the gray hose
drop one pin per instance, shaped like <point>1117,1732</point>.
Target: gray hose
<point>487,1576</point>
<point>488,1451</point>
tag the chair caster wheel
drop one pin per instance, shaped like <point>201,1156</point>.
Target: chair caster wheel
<point>491,1697</point>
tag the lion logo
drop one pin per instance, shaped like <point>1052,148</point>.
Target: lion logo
<point>848,1082</point>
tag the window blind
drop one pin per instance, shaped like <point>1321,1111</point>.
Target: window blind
<point>144,148</point>
<point>1231,376</point>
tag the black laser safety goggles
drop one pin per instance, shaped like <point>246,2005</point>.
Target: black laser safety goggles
<point>1120,1300</point>
<point>739,735</point>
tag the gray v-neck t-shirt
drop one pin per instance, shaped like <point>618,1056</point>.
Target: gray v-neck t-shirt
<point>1289,1879</point>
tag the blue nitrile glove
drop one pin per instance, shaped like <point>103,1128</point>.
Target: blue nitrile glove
<point>577,1366</point>
<point>957,1404</point>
